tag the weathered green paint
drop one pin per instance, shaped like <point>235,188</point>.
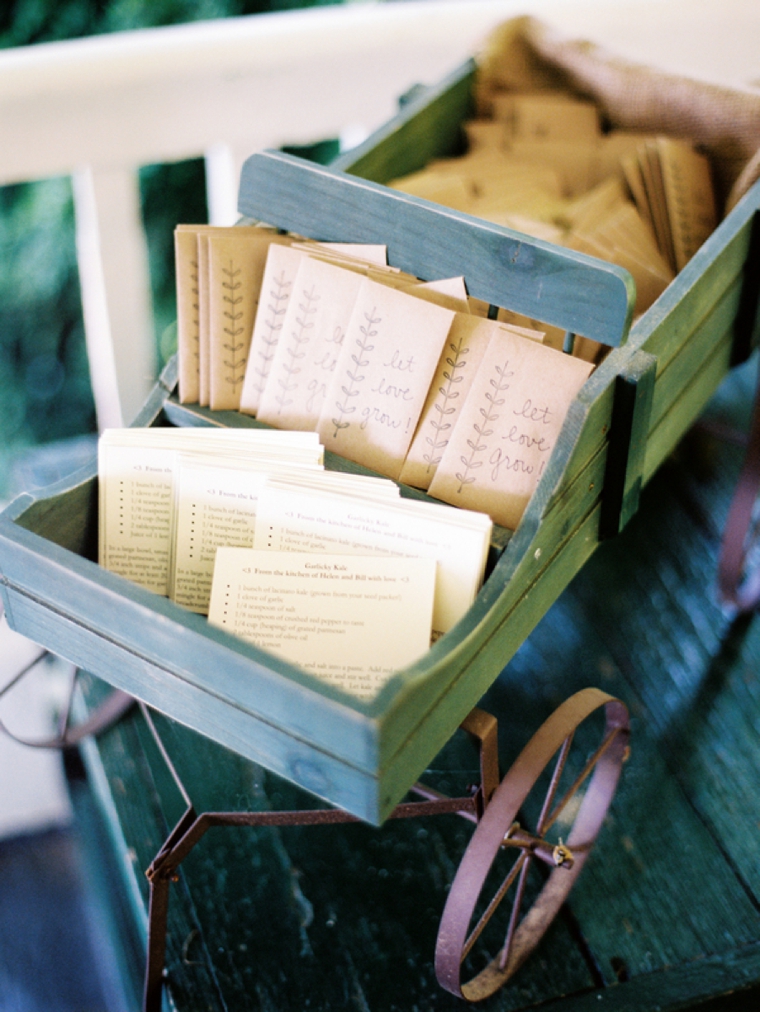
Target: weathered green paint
<point>427,127</point>
<point>634,387</point>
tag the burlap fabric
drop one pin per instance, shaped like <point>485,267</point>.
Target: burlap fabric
<point>525,53</point>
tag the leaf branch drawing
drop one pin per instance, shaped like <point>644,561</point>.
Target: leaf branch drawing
<point>442,408</point>
<point>355,377</point>
<point>195,338</point>
<point>295,352</point>
<point>277,303</point>
<point>489,414</point>
<point>233,313</point>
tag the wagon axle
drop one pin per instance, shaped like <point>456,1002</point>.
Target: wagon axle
<point>556,855</point>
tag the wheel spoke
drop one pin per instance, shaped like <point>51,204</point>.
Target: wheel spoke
<point>514,914</point>
<point>558,770</point>
<point>573,788</point>
<point>497,898</point>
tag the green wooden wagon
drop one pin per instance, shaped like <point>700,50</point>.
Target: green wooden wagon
<point>364,757</point>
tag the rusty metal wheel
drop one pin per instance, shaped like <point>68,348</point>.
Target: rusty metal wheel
<point>561,784</point>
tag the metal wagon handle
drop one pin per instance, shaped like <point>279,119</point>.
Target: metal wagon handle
<point>107,713</point>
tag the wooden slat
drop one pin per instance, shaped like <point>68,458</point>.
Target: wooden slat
<point>686,408</point>
<point>668,324</point>
<point>629,427</point>
<point>585,296</point>
<point>428,126</point>
<point>700,345</point>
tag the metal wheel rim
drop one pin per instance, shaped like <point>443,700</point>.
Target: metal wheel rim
<point>492,828</point>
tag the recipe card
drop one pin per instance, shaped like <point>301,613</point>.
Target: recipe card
<point>352,620</point>
<point>215,505</point>
<point>136,473</point>
<point>308,520</point>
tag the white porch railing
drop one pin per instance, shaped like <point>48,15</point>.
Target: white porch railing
<point>99,108</point>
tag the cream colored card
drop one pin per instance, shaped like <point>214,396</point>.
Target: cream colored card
<point>367,487</point>
<point>689,197</point>
<point>205,520</point>
<point>188,308</point>
<point>309,345</point>
<point>649,284</point>
<point>575,163</point>
<point>236,264</point>
<point>204,347</point>
<point>307,520</point>
<point>485,134</point>
<point>351,621</point>
<point>651,172</point>
<point>448,292</point>
<point>618,146</point>
<point>391,277</point>
<point>634,178</point>
<point>135,490</point>
<point>554,337</point>
<point>503,103</point>
<point>361,253</point>
<point>388,359</point>
<point>508,427</point>
<point>503,176</point>
<point>623,238</point>
<point>216,503</point>
<point>135,511</point>
<point>192,282</point>
<point>465,347</point>
<point>550,118</point>
<point>276,287</point>
<point>586,211</point>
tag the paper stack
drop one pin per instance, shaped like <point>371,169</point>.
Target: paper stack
<point>315,566</point>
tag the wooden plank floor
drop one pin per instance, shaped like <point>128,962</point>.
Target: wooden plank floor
<point>667,912</point>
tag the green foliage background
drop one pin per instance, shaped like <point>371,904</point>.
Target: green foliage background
<point>45,393</point>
